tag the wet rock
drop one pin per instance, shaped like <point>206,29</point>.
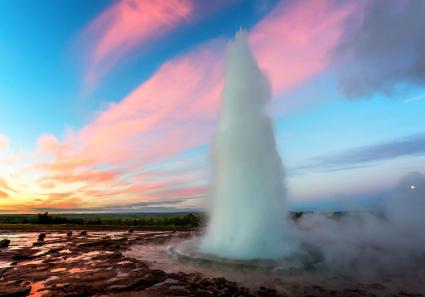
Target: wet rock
<point>130,230</point>
<point>148,280</point>
<point>83,233</point>
<point>77,289</point>
<point>178,291</point>
<point>266,292</point>
<point>13,291</point>
<point>97,276</point>
<point>408,294</point>
<point>4,243</point>
<point>3,270</point>
<point>24,254</point>
<point>41,236</point>
<point>69,233</point>
<point>97,267</point>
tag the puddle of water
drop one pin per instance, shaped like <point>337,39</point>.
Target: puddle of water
<point>58,269</point>
<point>79,270</point>
<point>26,239</point>
<point>34,262</point>
<point>37,290</point>
<point>158,258</point>
<point>87,257</point>
<point>40,253</point>
<point>4,264</point>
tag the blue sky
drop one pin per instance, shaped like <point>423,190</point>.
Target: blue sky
<point>112,104</point>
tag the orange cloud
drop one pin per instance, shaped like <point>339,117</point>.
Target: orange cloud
<point>5,186</point>
<point>56,200</point>
<point>175,110</point>
<point>149,124</point>
<point>49,145</point>
<point>127,24</point>
<point>88,176</point>
<point>4,194</point>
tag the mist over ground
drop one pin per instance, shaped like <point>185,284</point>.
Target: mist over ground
<point>366,244</point>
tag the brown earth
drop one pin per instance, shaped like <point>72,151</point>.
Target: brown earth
<point>94,265</point>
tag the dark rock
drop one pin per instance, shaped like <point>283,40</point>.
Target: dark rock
<point>408,294</point>
<point>13,291</point>
<point>24,254</point>
<point>4,243</point>
<point>83,233</point>
<point>69,233</point>
<point>41,236</point>
<point>151,278</point>
<point>130,230</point>
<point>38,243</point>
<point>266,292</point>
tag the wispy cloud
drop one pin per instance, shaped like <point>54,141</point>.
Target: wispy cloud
<point>294,42</point>
<point>153,206</point>
<point>5,186</point>
<point>127,24</point>
<point>366,155</point>
<point>173,112</point>
<point>415,98</point>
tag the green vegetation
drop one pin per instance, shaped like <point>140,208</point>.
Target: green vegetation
<point>158,220</point>
<point>179,220</point>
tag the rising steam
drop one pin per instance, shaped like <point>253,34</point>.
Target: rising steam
<point>247,196</point>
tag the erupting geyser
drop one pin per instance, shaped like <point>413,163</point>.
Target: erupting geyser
<point>247,196</point>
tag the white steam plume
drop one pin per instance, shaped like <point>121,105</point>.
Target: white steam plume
<point>247,197</point>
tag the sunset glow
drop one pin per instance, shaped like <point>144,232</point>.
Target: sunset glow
<point>114,110</point>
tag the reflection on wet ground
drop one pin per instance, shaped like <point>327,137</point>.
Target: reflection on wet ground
<point>61,264</point>
<point>118,263</point>
<point>37,289</point>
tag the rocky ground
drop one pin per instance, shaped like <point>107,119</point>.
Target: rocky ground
<point>93,264</point>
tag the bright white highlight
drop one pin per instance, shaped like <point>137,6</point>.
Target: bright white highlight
<point>247,197</point>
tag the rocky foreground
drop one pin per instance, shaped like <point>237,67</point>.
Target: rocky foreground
<point>93,264</point>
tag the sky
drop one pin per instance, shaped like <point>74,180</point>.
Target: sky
<point>111,106</point>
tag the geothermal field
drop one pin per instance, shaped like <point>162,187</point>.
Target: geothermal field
<point>146,149</point>
<point>248,245</point>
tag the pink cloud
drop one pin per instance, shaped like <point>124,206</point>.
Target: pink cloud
<point>49,145</point>
<point>155,115</point>
<point>87,176</point>
<point>181,100</point>
<point>175,110</point>
<point>127,24</point>
<point>293,43</point>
